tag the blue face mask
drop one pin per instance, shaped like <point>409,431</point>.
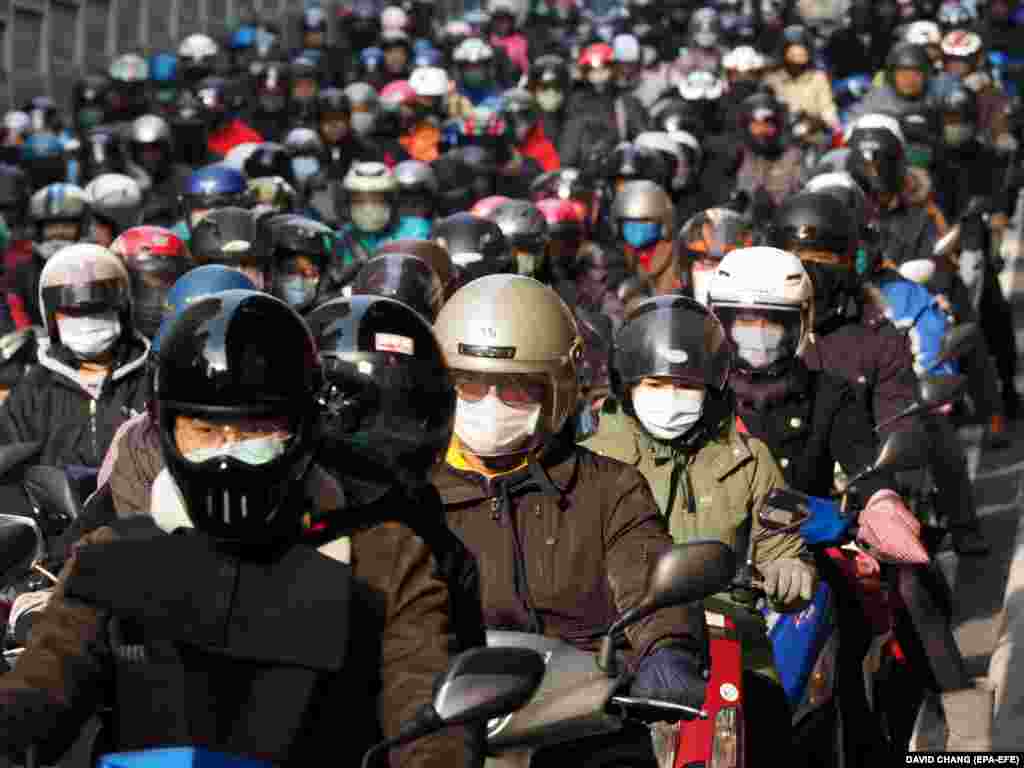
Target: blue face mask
<point>640,234</point>
<point>304,167</point>
<point>415,227</point>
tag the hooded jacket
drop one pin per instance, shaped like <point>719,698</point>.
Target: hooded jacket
<point>73,419</point>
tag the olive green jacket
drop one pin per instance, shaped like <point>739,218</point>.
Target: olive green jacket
<point>707,495</point>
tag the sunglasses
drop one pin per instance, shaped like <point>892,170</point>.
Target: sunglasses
<point>516,393</point>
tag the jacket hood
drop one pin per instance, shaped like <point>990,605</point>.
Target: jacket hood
<point>132,357</point>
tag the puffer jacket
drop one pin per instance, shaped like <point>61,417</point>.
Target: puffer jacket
<point>75,420</point>
<point>564,547</point>
<point>714,493</point>
<point>369,639</point>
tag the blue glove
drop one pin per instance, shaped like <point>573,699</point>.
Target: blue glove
<point>670,674</point>
<point>826,525</point>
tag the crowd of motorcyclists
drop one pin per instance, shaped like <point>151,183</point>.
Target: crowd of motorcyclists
<point>432,325</point>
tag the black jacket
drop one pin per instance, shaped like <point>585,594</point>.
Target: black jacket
<point>592,118</point>
<point>975,170</point>
<point>810,420</point>
<point>75,424</point>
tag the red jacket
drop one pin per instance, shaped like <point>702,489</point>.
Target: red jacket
<point>230,135</point>
<point>538,147</point>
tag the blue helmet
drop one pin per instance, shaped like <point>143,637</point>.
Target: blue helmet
<point>371,58</point>
<point>40,146</point>
<point>163,68</point>
<point>242,38</point>
<point>427,57</point>
<point>214,186</point>
<point>421,44</point>
<point>195,284</point>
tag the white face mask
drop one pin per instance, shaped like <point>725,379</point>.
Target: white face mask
<point>668,412</point>
<point>491,428</point>
<point>91,336</point>
<point>362,123</point>
<point>298,291</point>
<point>550,99</point>
<point>255,452</point>
<point>370,217</point>
<point>760,346</point>
<point>167,504</point>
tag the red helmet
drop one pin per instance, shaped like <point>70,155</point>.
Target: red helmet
<point>154,257</point>
<point>564,217</point>
<point>141,243</point>
<point>596,55</point>
<point>485,206</point>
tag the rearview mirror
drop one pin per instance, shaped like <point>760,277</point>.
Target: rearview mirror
<point>487,682</point>
<point>683,574</point>
<point>21,544</point>
<point>958,341</point>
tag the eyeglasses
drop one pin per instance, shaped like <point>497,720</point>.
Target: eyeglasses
<point>515,392</point>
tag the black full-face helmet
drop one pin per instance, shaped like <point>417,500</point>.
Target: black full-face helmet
<point>387,404</point>
<point>240,358</point>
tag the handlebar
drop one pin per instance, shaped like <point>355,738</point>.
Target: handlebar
<point>668,706</point>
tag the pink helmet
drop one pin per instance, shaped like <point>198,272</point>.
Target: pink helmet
<point>396,93</point>
<point>486,205</point>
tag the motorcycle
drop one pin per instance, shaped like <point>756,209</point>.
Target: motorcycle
<point>583,697</point>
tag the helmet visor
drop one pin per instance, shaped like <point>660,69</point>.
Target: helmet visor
<point>761,337</point>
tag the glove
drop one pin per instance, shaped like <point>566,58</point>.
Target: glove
<point>826,524</point>
<point>670,674</point>
<point>788,582</point>
<point>890,531</point>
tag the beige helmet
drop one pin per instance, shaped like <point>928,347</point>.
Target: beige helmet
<point>511,324</point>
<point>643,199</point>
<point>83,275</point>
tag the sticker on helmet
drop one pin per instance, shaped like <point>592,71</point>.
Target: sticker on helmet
<point>392,342</point>
<point>236,246</point>
<point>495,353</point>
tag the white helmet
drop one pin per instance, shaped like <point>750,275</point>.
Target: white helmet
<point>743,59</point>
<point>429,81</point>
<point>79,275</point>
<point>515,8</point>
<point>115,198</point>
<point>394,19</point>
<point>129,68</point>
<point>626,49</point>
<point>878,120</point>
<point>150,129</point>
<point>473,51</point>
<point>238,154</point>
<point>757,284</point>
<point>17,122</point>
<point>195,48</point>
<point>923,32</point>
<point>701,85</point>
<point>370,177</point>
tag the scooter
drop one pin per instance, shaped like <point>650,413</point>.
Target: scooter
<point>582,697</point>
<point>805,645</point>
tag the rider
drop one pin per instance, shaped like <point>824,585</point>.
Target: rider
<point>152,163</point>
<point>300,253</point>
<point>798,84</point>
<point>115,204</point>
<point>643,221</point>
<point>371,199</point>
<point>573,528</point>
<point>214,186</point>
<point>852,339</point>
<point>238,449</point>
<point>702,243</point>
<point>155,258</point>
<point>90,373</point>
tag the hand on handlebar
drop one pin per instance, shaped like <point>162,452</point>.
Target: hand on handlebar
<point>788,582</point>
<point>890,531</point>
<point>670,674</point>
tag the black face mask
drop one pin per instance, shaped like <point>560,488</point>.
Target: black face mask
<point>832,288</point>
